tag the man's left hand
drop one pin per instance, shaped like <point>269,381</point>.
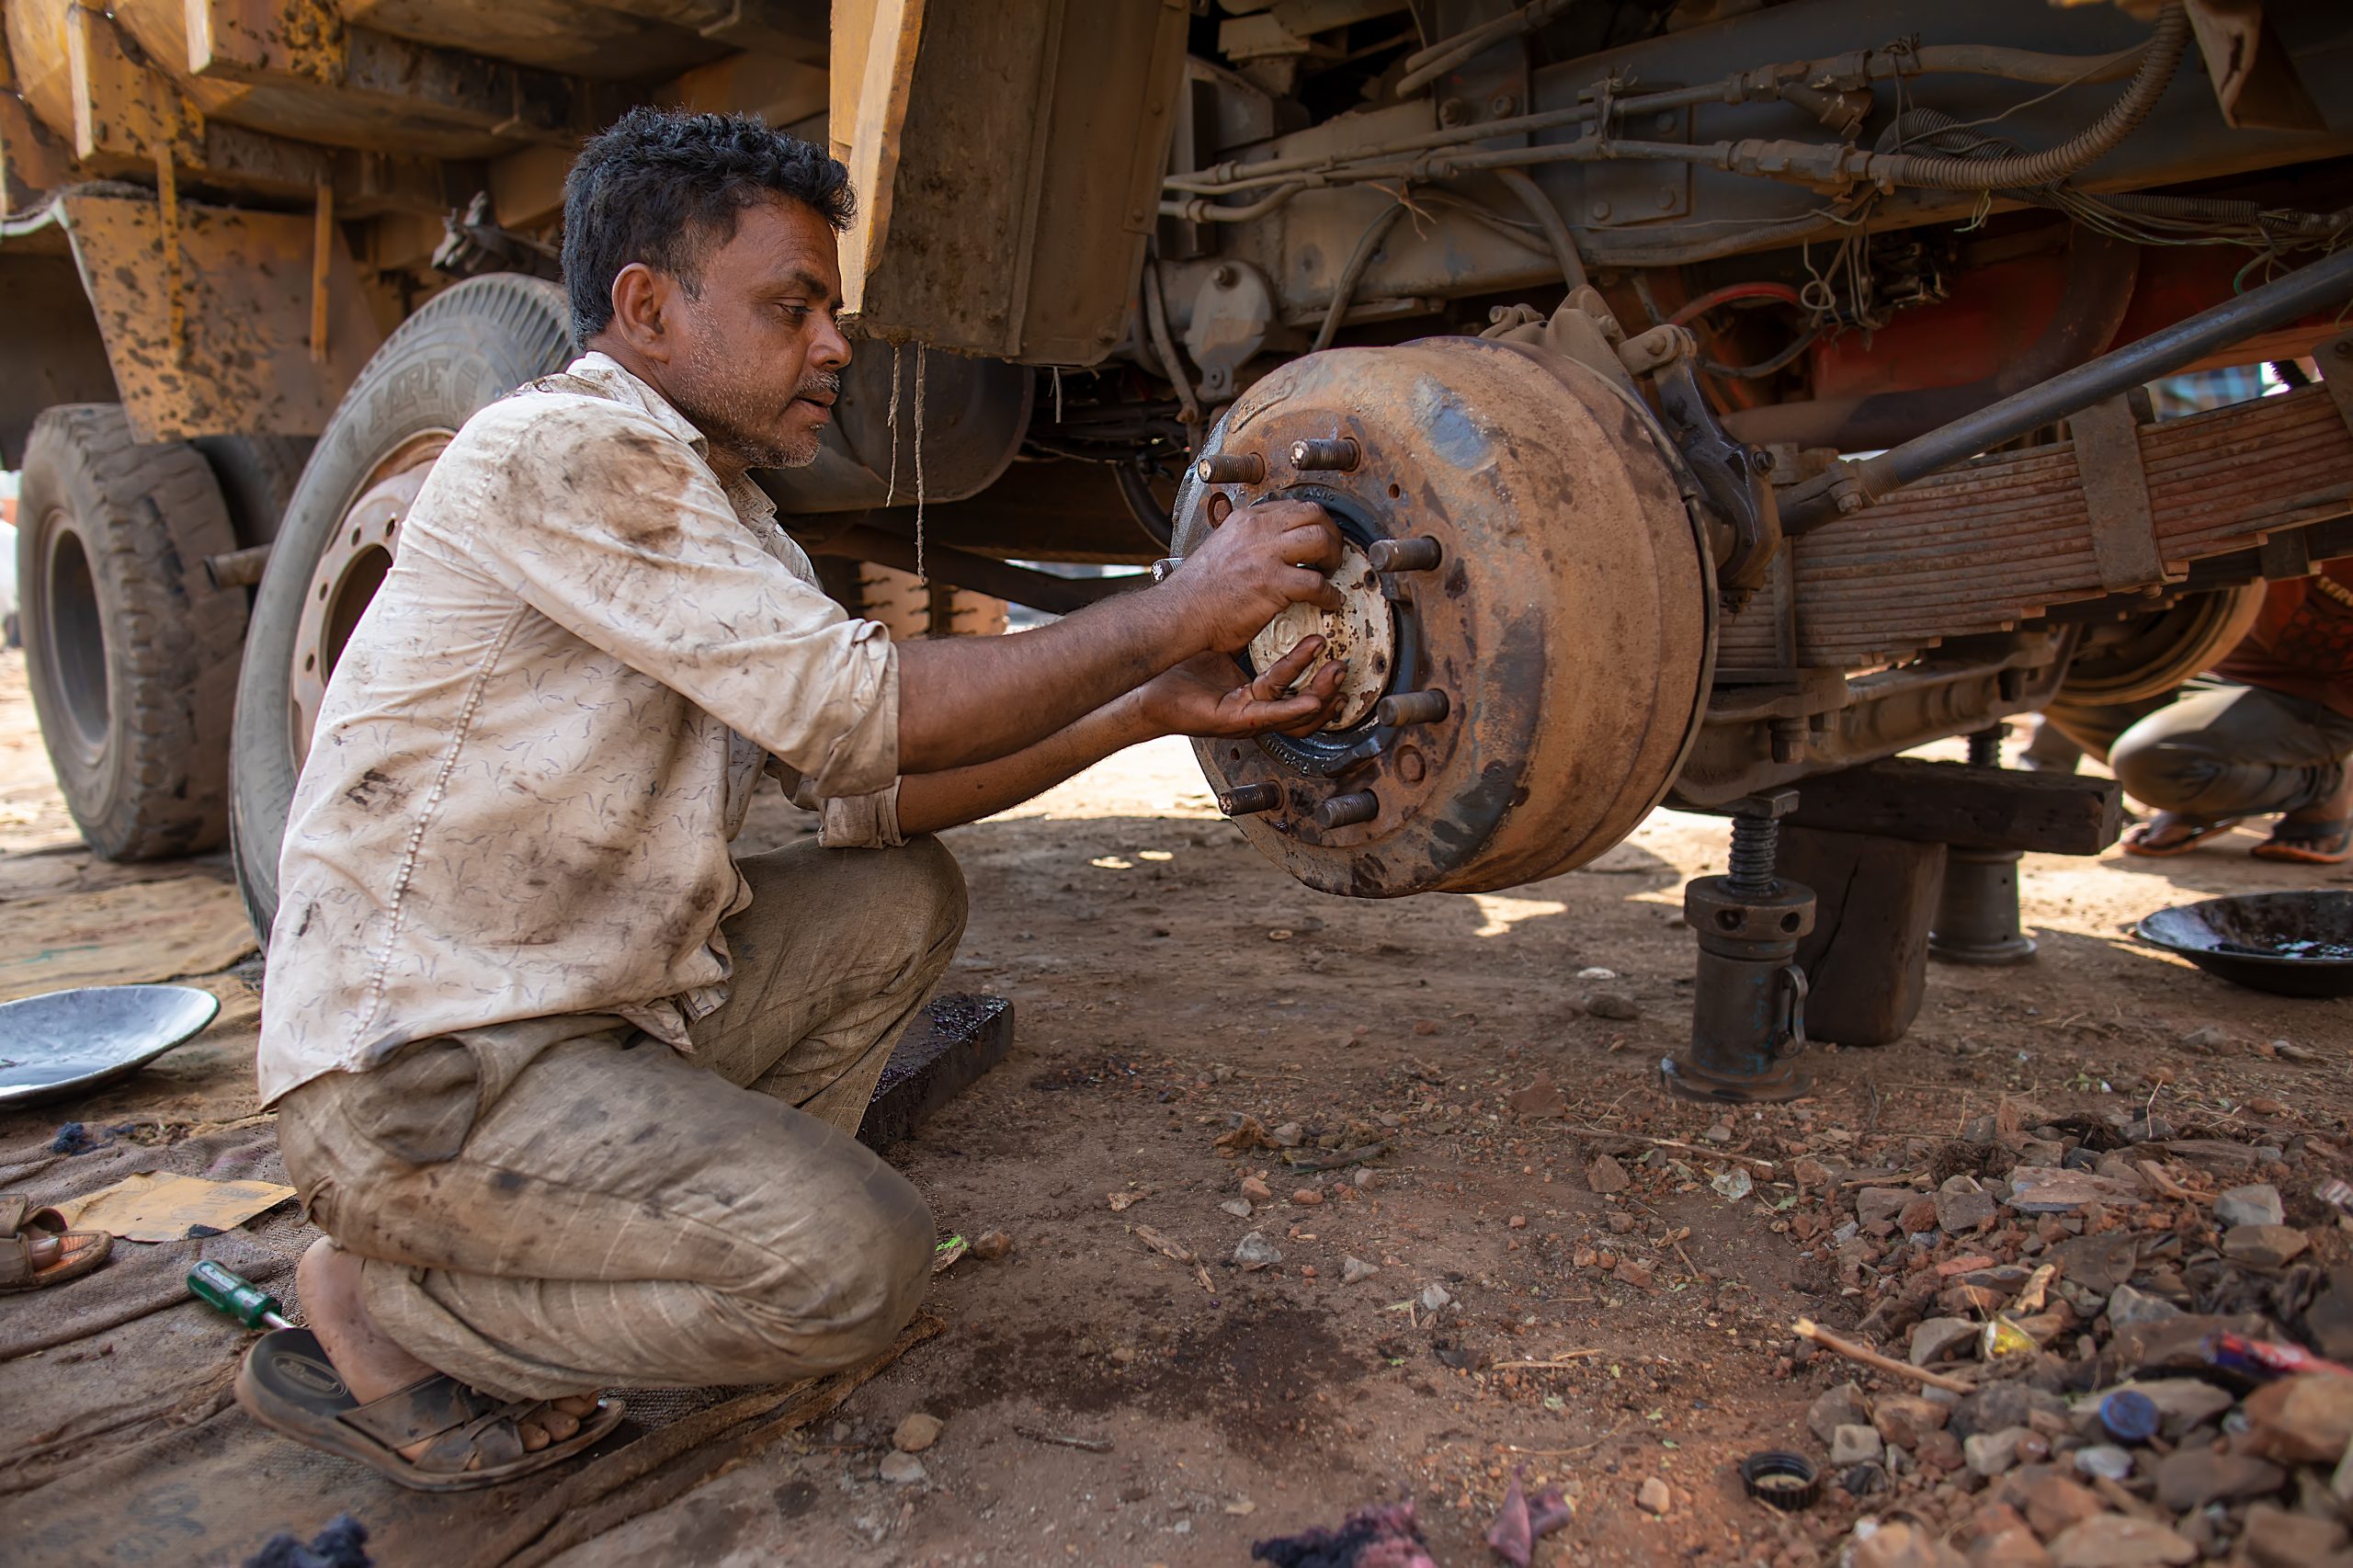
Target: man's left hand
<point>1209,696</point>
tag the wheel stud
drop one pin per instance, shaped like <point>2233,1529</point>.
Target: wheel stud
<point>1411,708</point>
<point>1231,468</point>
<point>1343,811</point>
<point>1419,554</point>
<point>1336,453</point>
<point>1249,799</point>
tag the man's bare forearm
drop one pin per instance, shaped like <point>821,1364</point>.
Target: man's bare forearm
<point>930,801</point>
<point>967,700</point>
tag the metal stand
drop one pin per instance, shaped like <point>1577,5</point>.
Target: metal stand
<point>1977,912</point>
<point>1748,1006</point>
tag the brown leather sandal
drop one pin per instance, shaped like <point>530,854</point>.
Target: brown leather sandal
<point>288,1384</point>
<point>21,1225</point>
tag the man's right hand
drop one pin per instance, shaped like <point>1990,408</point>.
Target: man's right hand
<point>1260,560</point>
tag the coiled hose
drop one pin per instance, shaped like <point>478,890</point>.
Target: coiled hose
<point>2056,163</point>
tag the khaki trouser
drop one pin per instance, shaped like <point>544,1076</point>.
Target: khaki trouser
<point>2212,750</point>
<point>565,1204</point>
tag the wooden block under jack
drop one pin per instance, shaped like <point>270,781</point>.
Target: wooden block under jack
<point>943,1053</point>
<point>1866,961</point>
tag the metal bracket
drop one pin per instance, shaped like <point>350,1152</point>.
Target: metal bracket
<point>1732,478</point>
<point>2116,497</point>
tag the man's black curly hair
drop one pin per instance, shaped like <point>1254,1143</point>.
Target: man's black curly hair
<point>664,188</point>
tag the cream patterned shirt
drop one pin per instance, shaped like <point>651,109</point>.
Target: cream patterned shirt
<point>546,730</point>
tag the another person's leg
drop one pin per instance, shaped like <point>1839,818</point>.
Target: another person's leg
<point>2222,753</point>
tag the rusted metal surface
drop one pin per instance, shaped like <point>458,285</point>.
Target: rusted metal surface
<point>351,569</point>
<point>1837,721</point>
<point>1985,547</point>
<point>1565,619</point>
<point>1749,1000</point>
<point>1047,122</point>
<point>2100,273</point>
<point>244,364</point>
<point>2116,495</point>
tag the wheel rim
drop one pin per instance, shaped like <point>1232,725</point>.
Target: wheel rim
<point>75,638</point>
<point>351,569</point>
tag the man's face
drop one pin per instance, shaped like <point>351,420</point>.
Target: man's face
<point>758,359</point>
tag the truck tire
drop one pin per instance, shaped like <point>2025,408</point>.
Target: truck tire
<point>130,651</point>
<point>463,350</point>
<point>257,476</point>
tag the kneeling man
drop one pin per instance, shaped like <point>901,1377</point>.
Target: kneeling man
<point>572,1092</point>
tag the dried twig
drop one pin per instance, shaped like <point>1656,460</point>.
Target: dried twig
<point>1564,1453</point>
<point>1807,1328</point>
<point>1566,1358</point>
<point>1677,1143</point>
<point>1091,1445</point>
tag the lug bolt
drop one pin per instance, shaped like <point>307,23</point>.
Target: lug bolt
<point>1343,811</point>
<point>1411,708</point>
<point>1337,453</point>
<point>1231,468</point>
<point>1419,554</point>
<point>1249,799</point>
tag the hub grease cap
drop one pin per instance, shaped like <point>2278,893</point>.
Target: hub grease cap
<point>1362,633</point>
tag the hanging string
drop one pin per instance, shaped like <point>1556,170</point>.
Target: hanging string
<point>1058,394</point>
<point>892,489</point>
<point>920,572</point>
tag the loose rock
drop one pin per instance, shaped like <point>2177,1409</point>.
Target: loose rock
<point>2195,1477</point>
<point>1934,1338</point>
<point>1355,1268</point>
<point>902,1469</point>
<point>2307,1418</point>
<point>1238,1207</point>
<point>993,1244</point>
<point>1962,1206</point>
<point>1654,1496</point>
<point>1606,1175</point>
<point>1853,1445</point>
<point>1254,1252</point>
<point>2264,1246</point>
<point>2052,1503</point>
<point>2128,1308</point>
<point>917,1431</point>
<point>2274,1538</point>
<point>2114,1540</point>
<point>2256,1205</point>
<point>1903,1418</point>
<point>1834,1408</point>
<point>1990,1453</point>
<point>1612,1005</point>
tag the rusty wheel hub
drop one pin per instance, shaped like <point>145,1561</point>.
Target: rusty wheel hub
<point>349,571</point>
<point>1528,622</point>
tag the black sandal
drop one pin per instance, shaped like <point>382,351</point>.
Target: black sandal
<point>288,1385</point>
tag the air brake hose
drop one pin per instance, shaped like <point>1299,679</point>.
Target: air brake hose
<point>2054,163</point>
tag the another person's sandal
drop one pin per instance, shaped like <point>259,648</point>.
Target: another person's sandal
<point>21,1225</point>
<point>2308,843</point>
<point>288,1384</point>
<point>2137,841</point>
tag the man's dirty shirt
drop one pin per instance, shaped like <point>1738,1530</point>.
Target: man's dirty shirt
<point>546,730</point>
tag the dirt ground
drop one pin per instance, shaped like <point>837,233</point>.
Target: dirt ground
<point>1169,983</point>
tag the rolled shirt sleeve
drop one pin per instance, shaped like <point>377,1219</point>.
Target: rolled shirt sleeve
<point>672,584</point>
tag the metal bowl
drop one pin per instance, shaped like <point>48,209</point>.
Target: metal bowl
<point>70,1042</point>
<point>2293,944</point>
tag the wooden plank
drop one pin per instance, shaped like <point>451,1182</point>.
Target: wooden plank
<point>1968,808</point>
<point>1866,961</point>
<point>943,1053</point>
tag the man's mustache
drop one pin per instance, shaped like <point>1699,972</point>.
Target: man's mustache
<point>828,382</point>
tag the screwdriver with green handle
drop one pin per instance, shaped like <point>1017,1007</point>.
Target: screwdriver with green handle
<point>235,1295</point>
